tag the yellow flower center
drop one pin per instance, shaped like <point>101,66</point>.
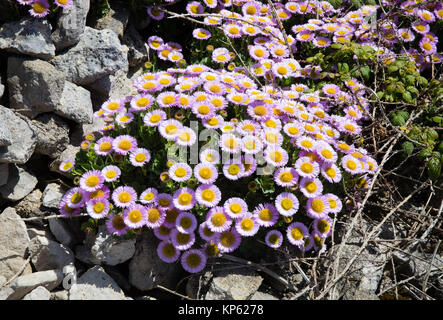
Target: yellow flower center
<point>135,215</point>
<point>171,129</point>
<point>208,195</point>
<point>169,250</point>
<point>351,164</point>
<point>164,202</point>
<point>153,215</point>
<point>185,198</point>
<point>235,208</point>
<point>97,194</point>
<point>323,226</point>
<point>326,153</point>
<point>110,174</point>
<point>227,239</point>
<point>113,106</point>
<point>183,238</point>
<point>168,99</point>
<point>344,146</point>
<point>307,144</point>
<point>247,224</point>
<point>140,157</point>
<point>105,146</point>
<point>149,196</point>
<point>233,169</point>
<point>265,214</point>
<point>317,205</point>
<point>180,172</point>
<point>118,223</point>
<point>142,102</point>
<point>67,165</point>
<point>124,197</point>
<point>276,156</point>
<point>273,239</point>
<point>155,118</point>
<point>349,127</point>
<point>203,109</point>
<point>186,222</point>
<point>286,176</point>
<point>171,215</point>
<point>260,110</point>
<point>286,203</point>
<point>296,234</point>
<point>311,187</point>
<point>125,145</point>
<point>332,203</point>
<point>98,207</point>
<point>205,173</point>
<point>330,172</point>
<point>307,167</point>
<point>193,260</point>
<point>218,219</point>
<point>271,137</point>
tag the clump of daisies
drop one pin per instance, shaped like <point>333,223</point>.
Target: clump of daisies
<point>208,155</point>
<point>41,8</point>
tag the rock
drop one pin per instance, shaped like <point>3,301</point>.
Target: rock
<point>33,232</point>
<point>30,205</point>
<point>39,293</point>
<point>81,130</point>
<point>5,293</point>
<point>97,54</point>
<point>60,295</point>
<point>48,254</point>
<point>96,284</point>
<point>35,86</point>
<point>28,36</point>
<point>84,254</point>
<point>49,279</point>
<point>70,25</point>
<point>52,134</point>
<point>69,153</point>
<point>75,104</point>
<point>147,270</point>
<point>2,280</point>
<point>19,185</point>
<point>116,20</point>
<point>14,241</point>
<point>234,284</point>
<point>52,195</point>
<point>198,284</point>
<point>4,173</point>
<point>137,53</point>
<point>262,296</point>
<point>423,265</point>
<point>24,138</point>
<point>112,251</point>
<point>114,86</point>
<point>62,231</point>
<point>118,277</point>
<point>5,136</point>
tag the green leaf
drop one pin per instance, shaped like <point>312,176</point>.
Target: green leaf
<point>408,147</point>
<point>403,113</point>
<point>406,95</point>
<point>434,168</point>
<point>438,120</point>
<point>365,72</point>
<point>392,68</point>
<point>397,120</point>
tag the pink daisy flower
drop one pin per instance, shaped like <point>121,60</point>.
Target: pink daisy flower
<point>167,252</point>
<point>217,220</point>
<point>296,232</point>
<point>194,260</point>
<point>116,225</point>
<point>266,214</point>
<point>40,8</point>
<point>182,241</point>
<point>208,195</point>
<point>274,239</point>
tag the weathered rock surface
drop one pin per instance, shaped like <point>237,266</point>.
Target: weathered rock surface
<point>23,136</point>
<point>146,269</point>
<point>19,185</point>
<point>96,284</point>
<point>4,173</point>
<point>97,54</point>
<point>52,134</point>
<point>61,230</point>
<point>39,293</point>
<point>116,20</point>
<point>262,296</point>
<point>70,24</point>
<point>237,284</point>
<point>68,153</point>
<point>30,205</point>
<point>35,86</point>
<point>5,136</point>
<point>52,195</point>
<point>138,52</point>
<point>28,36</point>
<point>49,279</point>
<point>14,241</point>
<point>75,104</point>
<point>48,254</point>
<point>77,136</point>
<point>114,86</point>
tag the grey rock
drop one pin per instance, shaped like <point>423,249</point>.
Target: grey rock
<point>138,52</point>
<point>33,232</point>
<point>146,269</point>
<point>197,285</point>
<point>4,173</point>
<point>146,298</point>
<point>5,135</point>
<point>28,36</point>
<point>49,279</point>
<point>423,265</point>
<point>75,104</point>
<point>39,293</point>
<point>2,280</point>
<point>30,205</point>
<point>77,136</point>
<point>70,24</point>
<point>118,277</point>
<point>116,20</point>
<point>96,284</point>
<point>6,292</point>
<point>112,251</point>
<point>2,87</point>
<point>19,185</point>
<point>83,253</point>
<point>60,295</point>
<point>97,54</point>
<point>237,284</point>
<point>24,138</point>
<point>114,86</point>
<point>52,134</point>
<point>52,195</point>
<point>14,242</point>
<point>48,254</point>
<point>62,232</point>
<point>69,153</point>
<point>35,86</point>
<point>262,296</point>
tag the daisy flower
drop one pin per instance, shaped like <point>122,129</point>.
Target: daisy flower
<point>65,210</point>
<point>169,129</point>
<point>266,214</point>
<point>258,52</point>
<point>167,99</point>
<point>321,42</point>
<point>162,232</point>
<point>331,172</point>
<point>232,30</point>
<point>307,168</point>
<point>279,51</point>
<point>215,88</point>
<point>135,216</point>
<point>235,207</point>
<point>155,217</point>
<point>311,187</point>
<point>247,225</point>
<point>286,177</point>
<point>330,90</point>
<point>425,15</point>
<point>155,13</point>
<point>317,207</point>
<point>351,164</point>
<point>66,165</point>
<point>167,252</point>
<point>305,36</point>
<point>139,157</point>
<point>306,143</point>
<point>155,42</point>
<point>141,102</point>
<point>420,27</point>
<point>180,172</point>
<point>227,241</point>
<point>276,156</point>
<point>208,195</point>
<point>171,216</point>
<point>116,225</point>
<point>233,170</point>
<point>63,3</point>
<point>296,232</point>
<point>427,46</point>
<point>112,106</point>
<point>287,204</point>
<point>103,146</point>
<point>205,173</point>
<point>201,34</point>
<point>205,232</point>
<point>39,9</point>
<point>186,137</point>
<point>210,156</point>
<point>124,144</point>
<point>203,110</point>
<point>182,241</point>
<point>274,239</point>
<point>186,222</point>
<point>194,260</point>
<point>111,173</point>
<point>326,152</point>
<point>230,143</point>
<point>194,7</point>
<point>103,192</point>
<point>323,227</point>
<point>217,220</point>
<point>154,118</point>
<point>259,111</point>
<point>149,196</point>
<point>335,204</point>
<point>293,129</point>
<point>184,198</point>
<point>124,196</point>
<point>91,180</point>
<point>251,144</point>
